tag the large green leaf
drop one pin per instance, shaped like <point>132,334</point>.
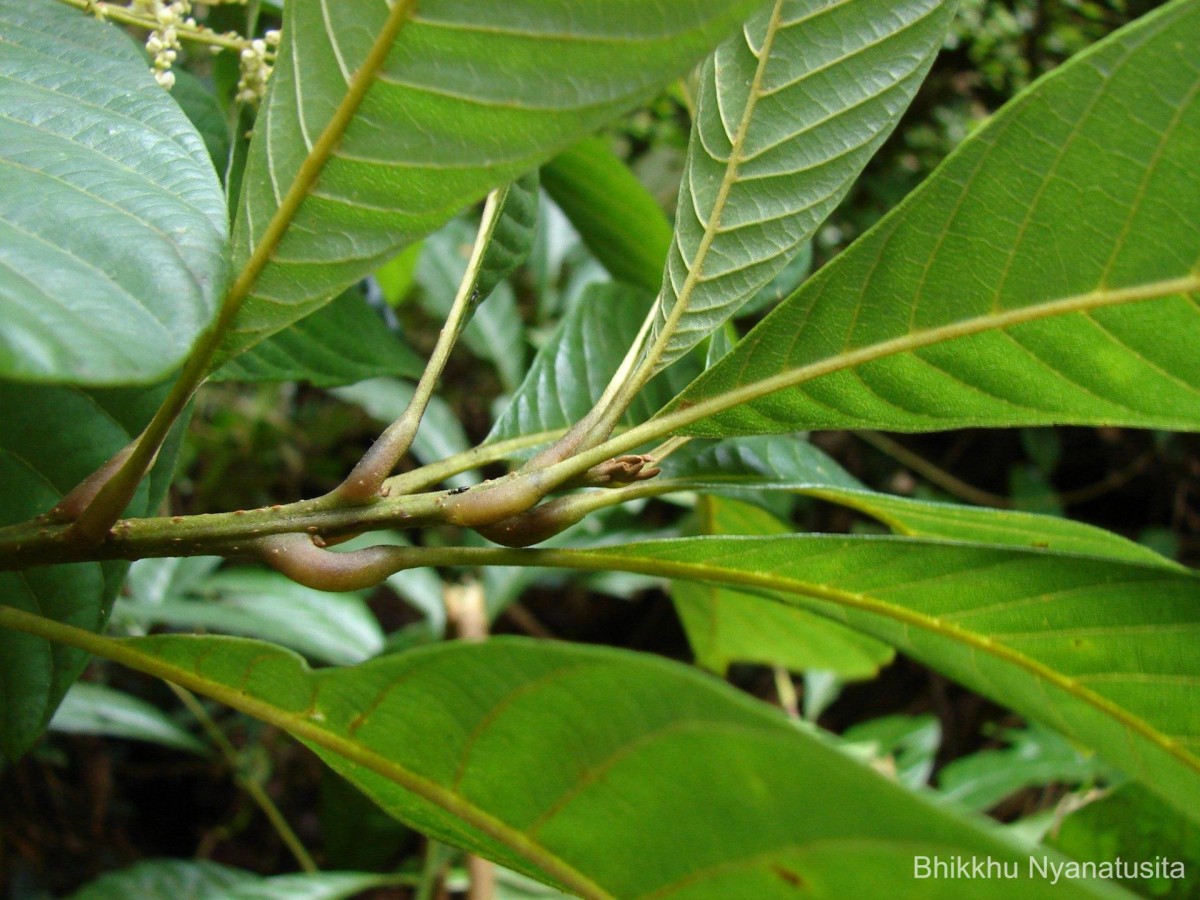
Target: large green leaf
<point>725,626</point>
<point>573,366</point>
<point>1102,650</point>
<point>760,467</point>
<point>112,220</point>
<point>789,112</point>
<point>1047,272</point>
<point>53,438</point>
<point>610,773</point>
<point>384,120</point>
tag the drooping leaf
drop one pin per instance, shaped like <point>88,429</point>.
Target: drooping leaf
<point>1046,273</point>
<point>619,220</point>
<point>332,628</point>
<point>954,522</point>
<point>53,438</point>
<point>650,778</point>
<point>1035,756</point>
<point>789,111</point>
<point>98,709</point>
<point>759,467</point>
<point>383,121</point>
<point>112,220</point>
<point>175,879</point>
<point>1101,650</point>
<point>726,626</point>
<point>341,343</point>
<point>573,366</point>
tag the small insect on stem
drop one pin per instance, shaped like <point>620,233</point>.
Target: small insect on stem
<point>454,492</point>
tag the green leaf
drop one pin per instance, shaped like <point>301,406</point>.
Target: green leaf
<point>759,467</point>
<point>1010,288</point>
<point>789,111</point>
<point>53,438</point>
<point>573,366</point>
<point>906,744</point>
<point>97,709</point>
<point>512,235</point>
<point>1101,650</point>
<point>725,626</point>
<point>112,220</point>
<point>333,628</point>
<point>1035,756</point>
<point>1133,824</point>
<point>650,779</point>
<point>173,879</point>
<point>495,332</point>
<point>383,121</point>
<point>966,524</point>
<point>619,220</point>
<point>341,343</point>
<point>200,105</point>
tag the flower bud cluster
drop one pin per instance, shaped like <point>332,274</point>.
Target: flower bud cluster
<point>256,59</point>
<point>163,42</point>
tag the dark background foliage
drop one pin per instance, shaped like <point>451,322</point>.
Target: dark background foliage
<point>78,806</point>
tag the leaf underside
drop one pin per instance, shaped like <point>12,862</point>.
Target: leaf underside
<point>1048,272</point>
<point>360,160</point>
<point>1100,649</point>
<point>789,112</point>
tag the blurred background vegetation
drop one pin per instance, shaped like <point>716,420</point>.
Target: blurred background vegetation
<point>191,782</point>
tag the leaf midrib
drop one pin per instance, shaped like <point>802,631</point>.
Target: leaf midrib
<point>681,417</point>
<point>314,163</point>
<point>662,341</point>
<point>125,652</point>
<point>703,572</point>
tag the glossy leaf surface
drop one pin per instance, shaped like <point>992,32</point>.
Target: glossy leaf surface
<point>112,220</point>
<point>1046,273</point>
<point>573,366</point>
<point>619,220</point>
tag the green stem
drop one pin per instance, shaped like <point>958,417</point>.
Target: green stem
<point>252,788</point>
<point>367,478</point>
<point>93,524</point>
